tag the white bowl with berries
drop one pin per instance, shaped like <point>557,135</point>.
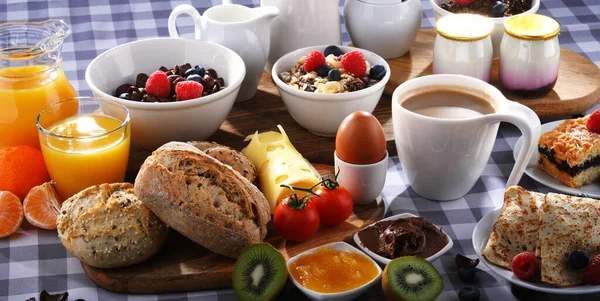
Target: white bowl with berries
<point>321,85</point>
<point>187,102</point>
<point>496,11</point>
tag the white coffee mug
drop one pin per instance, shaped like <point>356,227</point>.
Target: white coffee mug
<point>242,29</point>
<point>443,158</point>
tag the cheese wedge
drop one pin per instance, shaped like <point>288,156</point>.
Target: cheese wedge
<point>278,162</point>
<point>516,229</point>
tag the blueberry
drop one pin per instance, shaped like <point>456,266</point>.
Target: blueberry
<point>466,274</point>
<point>196,70</point>
<point>323,70</point>
<point>497,10</point>
<point>195,77</point>
<point>334,75</point>
<point>377,72</point>
<point>332,50</point>
<point>469,293</point>
<point>126,96</point>
<point>579,259</point>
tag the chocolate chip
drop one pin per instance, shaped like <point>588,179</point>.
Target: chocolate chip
<point>141,79</point>
<point>122,89</point>
<point>208,81</point>
<point>221,81</point>
<point>163,69</point>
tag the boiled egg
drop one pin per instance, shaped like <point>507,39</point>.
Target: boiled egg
<point>360,139</point>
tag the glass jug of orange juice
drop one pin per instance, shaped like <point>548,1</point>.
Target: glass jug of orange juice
<point>31,77</point>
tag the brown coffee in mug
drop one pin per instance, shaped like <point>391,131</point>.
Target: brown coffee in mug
<point>448,104</point>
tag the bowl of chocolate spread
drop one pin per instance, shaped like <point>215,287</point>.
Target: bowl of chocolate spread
<point>403,235</point>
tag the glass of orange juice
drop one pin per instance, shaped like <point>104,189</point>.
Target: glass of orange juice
<point>83,146</point>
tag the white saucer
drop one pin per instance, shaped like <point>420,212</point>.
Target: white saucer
<point>481,234</point>
<point>591,190</point>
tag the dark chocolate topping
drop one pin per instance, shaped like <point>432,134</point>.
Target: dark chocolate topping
<point>403,237</point>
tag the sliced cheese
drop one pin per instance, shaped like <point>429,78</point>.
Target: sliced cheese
<point>278,162</point>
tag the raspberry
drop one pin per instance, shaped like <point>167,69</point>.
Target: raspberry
<point>354,62</point>
<point>593,123</point>
<point>464,2</point>
<point>525,265</point>
<point>158,84</point>
<point>591,274</point>
<point>188,89</point>
<point>314,60</point>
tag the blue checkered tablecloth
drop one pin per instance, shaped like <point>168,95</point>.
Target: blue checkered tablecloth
<point>32,260</point>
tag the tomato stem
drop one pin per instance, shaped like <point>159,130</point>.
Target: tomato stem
<point>293,201</point>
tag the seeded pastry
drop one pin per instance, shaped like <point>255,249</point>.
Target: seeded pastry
<point>516,229</point>
<point>106,226</point>
<point>567,223</point>
<point>570,153</point>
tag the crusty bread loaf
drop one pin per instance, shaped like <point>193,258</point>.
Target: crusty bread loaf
<point>228,156</point>
<point>106,226</point>
<point>203,199</point>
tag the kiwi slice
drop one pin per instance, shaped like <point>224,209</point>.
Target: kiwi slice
<point>259,274</point>
<point>411,279</point>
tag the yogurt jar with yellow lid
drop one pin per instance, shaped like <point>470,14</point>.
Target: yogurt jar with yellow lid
<point>463,46</point>
<point>529,55</point>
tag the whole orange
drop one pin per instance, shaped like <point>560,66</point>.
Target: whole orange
<point>22,167</point>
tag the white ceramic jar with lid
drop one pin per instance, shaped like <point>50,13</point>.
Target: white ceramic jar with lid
<point>463,46</point>
<point>386,27</point>
<point>529,55</point>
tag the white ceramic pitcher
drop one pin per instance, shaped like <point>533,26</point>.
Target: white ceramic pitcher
<point>302,23</point>
<point>242,29</point>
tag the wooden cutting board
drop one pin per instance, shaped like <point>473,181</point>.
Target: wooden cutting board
<point>183,265</point>
<point>577,88</point>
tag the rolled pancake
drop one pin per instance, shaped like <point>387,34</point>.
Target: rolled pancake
<point>567,223</point>
<point>516,229</point>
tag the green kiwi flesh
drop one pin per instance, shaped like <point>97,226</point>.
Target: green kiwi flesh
<point>412,279</point>
<point>259,273</point>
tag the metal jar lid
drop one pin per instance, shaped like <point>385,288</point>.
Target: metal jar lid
<point>464,27</point>
<point>532,27</point>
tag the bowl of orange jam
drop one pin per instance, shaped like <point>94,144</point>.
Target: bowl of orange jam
<point>335,271</point>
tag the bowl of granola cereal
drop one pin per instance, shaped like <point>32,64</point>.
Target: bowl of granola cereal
<point>321,85</point>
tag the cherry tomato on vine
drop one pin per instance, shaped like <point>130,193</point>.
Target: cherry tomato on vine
<point>334,202</point>
<point>296,219</point>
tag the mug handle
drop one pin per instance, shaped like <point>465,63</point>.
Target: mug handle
<point>188,10</point>
<point>529,124</point>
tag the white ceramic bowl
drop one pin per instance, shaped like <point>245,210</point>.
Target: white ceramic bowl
<point>347,295</point>
<point>384,260</point>
<point>322,114</point>
<point>392,25</point>
<point>153,124</point>
<point>498,31</point>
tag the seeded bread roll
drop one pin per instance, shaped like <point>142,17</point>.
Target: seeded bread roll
<point>107,226</point>
<point>229,156</point>
<point>202,198</point>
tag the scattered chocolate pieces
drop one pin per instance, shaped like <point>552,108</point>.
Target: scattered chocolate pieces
<point>209,79</point>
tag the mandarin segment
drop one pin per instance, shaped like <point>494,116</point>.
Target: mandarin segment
<point>11,213</point>
<point>22,168</point>
<point>42,205</point>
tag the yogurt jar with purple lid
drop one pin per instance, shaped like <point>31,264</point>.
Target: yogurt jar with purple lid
<point>463,46</point>
<point>529,55</point>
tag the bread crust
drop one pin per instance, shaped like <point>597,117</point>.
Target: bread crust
<point>203,199</point>
<point>229,156</point>
<point>106,226</point>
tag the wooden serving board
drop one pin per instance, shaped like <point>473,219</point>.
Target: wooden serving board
<point>183,265</point>
<point>577,88</point>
